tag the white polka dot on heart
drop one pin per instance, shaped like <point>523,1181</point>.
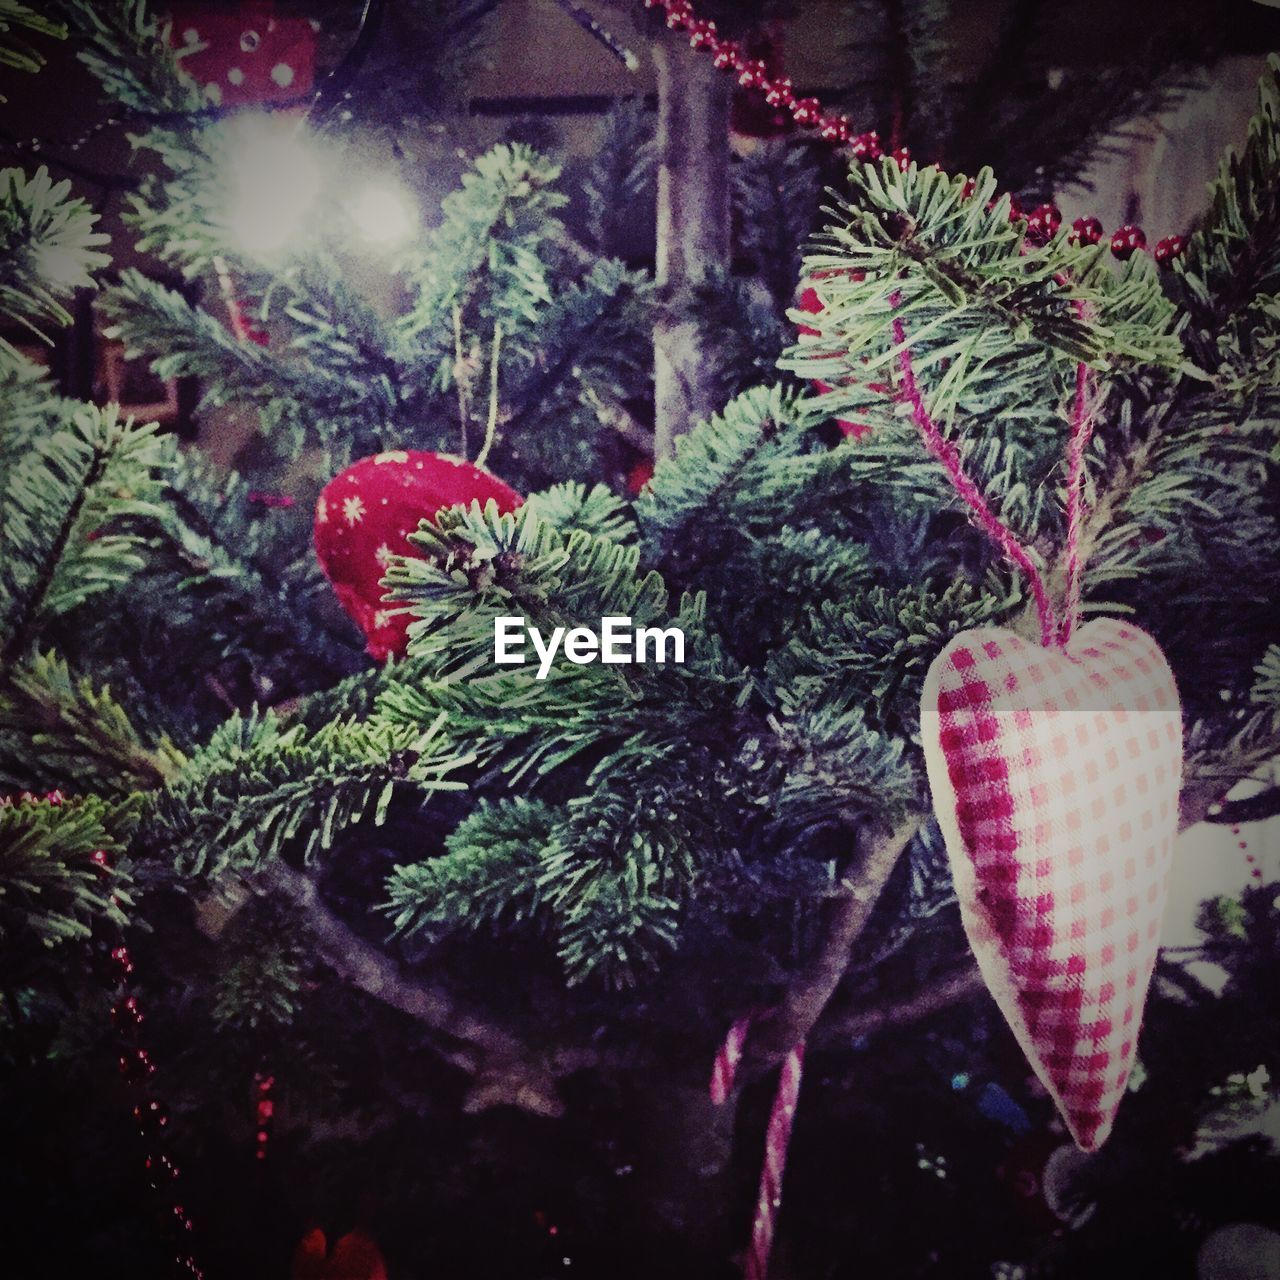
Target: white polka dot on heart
<point>282,74</point>
<point>235,75</point>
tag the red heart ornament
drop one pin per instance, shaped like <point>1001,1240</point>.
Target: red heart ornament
<point>355,1256</point>
<point>1055,777</point>
<point>364,517</point>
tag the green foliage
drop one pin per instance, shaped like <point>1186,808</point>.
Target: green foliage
<point>258,789</point>
<point>487,877</point>
<point>16,51</point>
<point>60,730</point>
<point>47,248</point>
<point>51,888</point>
<point>60,513</point>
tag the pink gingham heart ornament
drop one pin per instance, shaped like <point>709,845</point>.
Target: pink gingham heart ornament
<point>1055,776</point>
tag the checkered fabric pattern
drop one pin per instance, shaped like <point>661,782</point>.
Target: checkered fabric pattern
<point>1055,777</point>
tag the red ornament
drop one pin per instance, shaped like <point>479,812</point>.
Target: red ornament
<point>1127,241</point>
<point>1043,223</point>
<point>355,1256</point>
<point>1169,248</point>
<point>364,516</point>
<point>639,476</point>
<point>1085,231</point>
<point>902,158</point>
<point>970,186</point>
<point>245,57</point>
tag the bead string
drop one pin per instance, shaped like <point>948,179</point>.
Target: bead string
<point>809,113</point>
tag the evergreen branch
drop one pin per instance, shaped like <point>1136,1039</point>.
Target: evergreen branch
<point>257,790</point>
<point>74,733</point>
<point>52,887</point>
<point>56,513</point>
<point>47,248</point>
<point>937,994</point>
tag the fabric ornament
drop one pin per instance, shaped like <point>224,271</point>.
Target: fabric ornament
<point>247,56</point>
<point>364,516</point>
<point>1055,775</point>
<point>354,1256</point>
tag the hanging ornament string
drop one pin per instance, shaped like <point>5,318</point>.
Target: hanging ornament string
<point>809,113</point>
<point>949,456</point>
<point>777,1137</point>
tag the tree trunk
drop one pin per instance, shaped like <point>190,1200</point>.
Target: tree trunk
<point>693,232</point>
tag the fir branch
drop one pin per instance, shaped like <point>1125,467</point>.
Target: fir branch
<point>57,509</point>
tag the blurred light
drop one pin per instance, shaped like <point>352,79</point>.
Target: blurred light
<point>274,180</point>
<point>384,215</point>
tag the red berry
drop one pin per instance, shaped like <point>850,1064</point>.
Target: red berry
<point>970,186</point>
<point>1127,241</point>
<point>100,858</point>
<point>1169,248</point>
<point>806,111</point>
<point>753,74</point>
<point>136,1065</point>
<point>126,1013</point>
<point>1085,231</point>
<point>679,14</point>
<point>836,129</point>
<point>902,158</point>
<point>866,146</point>
<point>1043,223</point>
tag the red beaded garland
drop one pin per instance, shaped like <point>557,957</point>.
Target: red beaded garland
<point>866,146</point>
<point>727,55</point>
<point>1169,248</point>
<point>1127,241</point>
<point>780,93</point>
<point>1043,223</point>
<point>1085,231</point>
<point>702,32</point>
<point>806,111</point>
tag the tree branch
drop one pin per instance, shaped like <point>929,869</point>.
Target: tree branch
<point>809,994</point>
<point>505,1069</point>
<point>951,989</point>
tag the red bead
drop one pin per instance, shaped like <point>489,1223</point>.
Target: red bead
<point>1085,231</point>
<point>1169,248</point>
<point>151,1115</point>
<point>753,74</point>
<point>836,129</point>
<point>136,1066</point>
<point>728,55</point>
<point>126,1014</point>
<point>100,858</point>
<point>702,33</point>
<point>161,1169</point>
<point>1043,223</point>
<point>780,93</point>
<point>866,146</point>
<point>902,158</point>
<point>1127,241</point>
<point>970,186</point>
<point>806,111</point>
<point>679,14</point>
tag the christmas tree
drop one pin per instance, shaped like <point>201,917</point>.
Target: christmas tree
<point>419,960</point>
